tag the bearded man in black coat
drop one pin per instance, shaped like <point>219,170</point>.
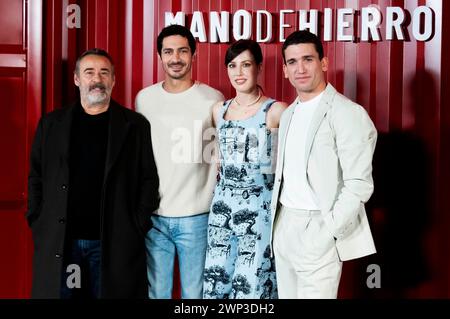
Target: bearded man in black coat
<point>93,185</point>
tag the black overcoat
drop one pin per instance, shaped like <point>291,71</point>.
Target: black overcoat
<point>129,196</point>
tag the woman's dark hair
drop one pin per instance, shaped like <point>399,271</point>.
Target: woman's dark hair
<point>240,46</point>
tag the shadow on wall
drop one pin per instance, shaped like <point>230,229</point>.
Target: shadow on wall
<point>400,214</point>
<point>402,208</point>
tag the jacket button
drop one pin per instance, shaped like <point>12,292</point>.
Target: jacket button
<point>62,220</point>
<point>64,187</point>
<point>279,180</point>
<point>58,255</point>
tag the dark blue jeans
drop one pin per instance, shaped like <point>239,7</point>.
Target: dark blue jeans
<point>86,255</point>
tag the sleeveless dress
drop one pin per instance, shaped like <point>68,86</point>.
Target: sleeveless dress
<point>238,263</point>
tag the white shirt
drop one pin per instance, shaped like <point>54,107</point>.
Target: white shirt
<point>296,192</point>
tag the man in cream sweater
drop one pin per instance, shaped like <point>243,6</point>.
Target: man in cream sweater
<point>180,111</point>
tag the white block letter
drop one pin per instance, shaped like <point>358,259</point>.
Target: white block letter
<point>282,24</point>
<point>342,24</point>
<point>394,24</point>
<point>242,31</point>
<point>179,18</point>
<point>219,31</point>
<point>328,24</point>
<point>259,20</point>
<point>198,26</point>
<point>313,24</point>
<point>428,26</point>
<point>370,24</point>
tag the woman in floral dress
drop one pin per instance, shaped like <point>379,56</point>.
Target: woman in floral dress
<point>238,260</point>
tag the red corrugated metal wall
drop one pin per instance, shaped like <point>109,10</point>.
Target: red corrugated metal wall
<point>20,108</point>
<point>402,84</point>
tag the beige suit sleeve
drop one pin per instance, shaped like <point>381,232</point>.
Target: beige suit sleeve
<point>355,137</point>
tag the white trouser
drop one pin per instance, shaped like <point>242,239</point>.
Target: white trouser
<point>306,260</point>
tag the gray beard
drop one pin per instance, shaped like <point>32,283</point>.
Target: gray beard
<point>97,99</point>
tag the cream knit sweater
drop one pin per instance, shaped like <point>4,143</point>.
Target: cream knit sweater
<point>182,130</point>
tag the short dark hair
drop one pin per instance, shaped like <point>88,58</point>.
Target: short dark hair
<point>242,45</point>
<point>175,29</point>
<point>303,36</point>
<point>94,51</point>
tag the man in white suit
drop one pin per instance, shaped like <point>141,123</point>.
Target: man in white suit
<point>323,178</point>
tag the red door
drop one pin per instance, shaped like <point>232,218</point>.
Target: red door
<point>20,100</point>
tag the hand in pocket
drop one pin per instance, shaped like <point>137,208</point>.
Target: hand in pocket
<point>321,240</point>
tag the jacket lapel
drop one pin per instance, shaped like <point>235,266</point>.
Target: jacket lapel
<point>284,129</point>
<point>118,130</point>
<point>319,114</point>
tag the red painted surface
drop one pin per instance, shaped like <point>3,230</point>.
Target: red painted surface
<point>21,107</point>
<point>403,86</point>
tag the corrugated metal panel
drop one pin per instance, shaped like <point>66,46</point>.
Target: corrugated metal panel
<point>401,84</point>
<point>20,96</point>
<point>365,72</point>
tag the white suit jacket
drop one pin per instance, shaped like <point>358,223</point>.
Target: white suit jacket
<point>339,148</point>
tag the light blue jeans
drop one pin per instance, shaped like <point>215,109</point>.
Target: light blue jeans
<point>186,237</point>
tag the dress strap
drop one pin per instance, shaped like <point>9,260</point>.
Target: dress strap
<point>269,103</point>
<point>223,110</point>
<point>262,112</point>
